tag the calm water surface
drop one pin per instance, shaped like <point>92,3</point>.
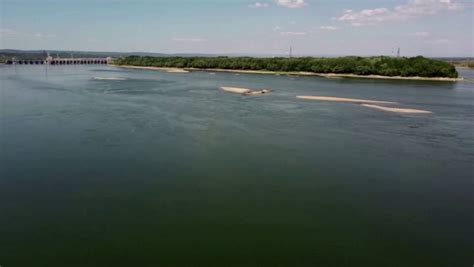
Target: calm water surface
<point>164,169</point>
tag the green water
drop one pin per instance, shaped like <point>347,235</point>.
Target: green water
<point>164,169</point>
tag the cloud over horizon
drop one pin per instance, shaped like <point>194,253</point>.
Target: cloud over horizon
<point>330,28</point>
<point>294,33</point>
<point>412,9</point>
<point>291,3</point>
<point>259,5</point>
<point>189,40</point>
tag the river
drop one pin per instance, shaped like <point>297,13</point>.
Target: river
<point>164,168</point>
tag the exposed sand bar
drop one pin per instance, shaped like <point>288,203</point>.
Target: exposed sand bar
<point>326,75</point>
<point>176,71</point>
<point>398,110</point>
<point>347,100</point>
<point>170,70</point>
<point>245,91</point>
<point>236,90</point>
<point>109,79</point>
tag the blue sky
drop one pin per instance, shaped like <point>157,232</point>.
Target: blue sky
<point>311,27</point>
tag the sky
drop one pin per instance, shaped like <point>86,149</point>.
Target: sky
<point>441,28</point>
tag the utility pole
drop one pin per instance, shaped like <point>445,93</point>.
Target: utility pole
<point>398,52</point>
<point>290,53</point>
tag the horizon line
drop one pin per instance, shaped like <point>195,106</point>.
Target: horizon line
<point>226,54</point>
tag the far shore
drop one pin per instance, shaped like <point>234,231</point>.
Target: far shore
<point>326,75</point>
<point>171,70</point>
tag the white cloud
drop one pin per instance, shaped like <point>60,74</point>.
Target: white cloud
<point>421,34</point>
<point>294,33</point>
<point>8,32</point>
<point>329,28</point>
<point>439,42</point>
<point>259,5</point>
<point>189,40</point>
<point>16,34</point>
<point>291,3</point>
<point>44,35</point>
<point>366,16</point>
<point>93,40</point>
<point>412,9</point>
<point>427,7</point>
<point>277,28</point>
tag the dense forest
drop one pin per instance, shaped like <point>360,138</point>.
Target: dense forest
<point>381,65</point>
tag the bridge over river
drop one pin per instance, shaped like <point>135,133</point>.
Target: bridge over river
<point>61,61</point>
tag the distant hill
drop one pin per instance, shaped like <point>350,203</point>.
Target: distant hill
<point>8,54</point>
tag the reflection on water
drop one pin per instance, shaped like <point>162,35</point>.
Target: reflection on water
<point>165,168</point>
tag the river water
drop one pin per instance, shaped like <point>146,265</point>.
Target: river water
<point>165,169</point>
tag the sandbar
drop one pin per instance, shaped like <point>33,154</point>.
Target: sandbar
<point>246,91</point>
<point>109,79</point>
<point>236,90</point>
<point>176,71</point>
<point>398,110</point>
<point>346,100</point>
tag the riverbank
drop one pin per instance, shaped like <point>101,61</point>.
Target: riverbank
<point>291,73</point>
<point>171,70</point>
<point>417,78</point>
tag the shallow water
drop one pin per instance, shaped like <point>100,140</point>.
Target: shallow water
<point>165,168</point>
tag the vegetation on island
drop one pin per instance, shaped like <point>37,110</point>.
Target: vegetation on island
<point>381,65</point>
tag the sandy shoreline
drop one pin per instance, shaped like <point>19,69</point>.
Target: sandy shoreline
<point>416,78</point>
<point>326,75</point>
<point>170,70</point>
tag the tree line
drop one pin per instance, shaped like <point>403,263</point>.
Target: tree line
<point>381,65</point>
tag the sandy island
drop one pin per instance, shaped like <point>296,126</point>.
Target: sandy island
<point>367,103</point>
<point>398,110</point>
<point>346,100</point>
<point>236,90</point>
<point>326,75</point>
<point>109,79</point>
<point>245,91</point>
